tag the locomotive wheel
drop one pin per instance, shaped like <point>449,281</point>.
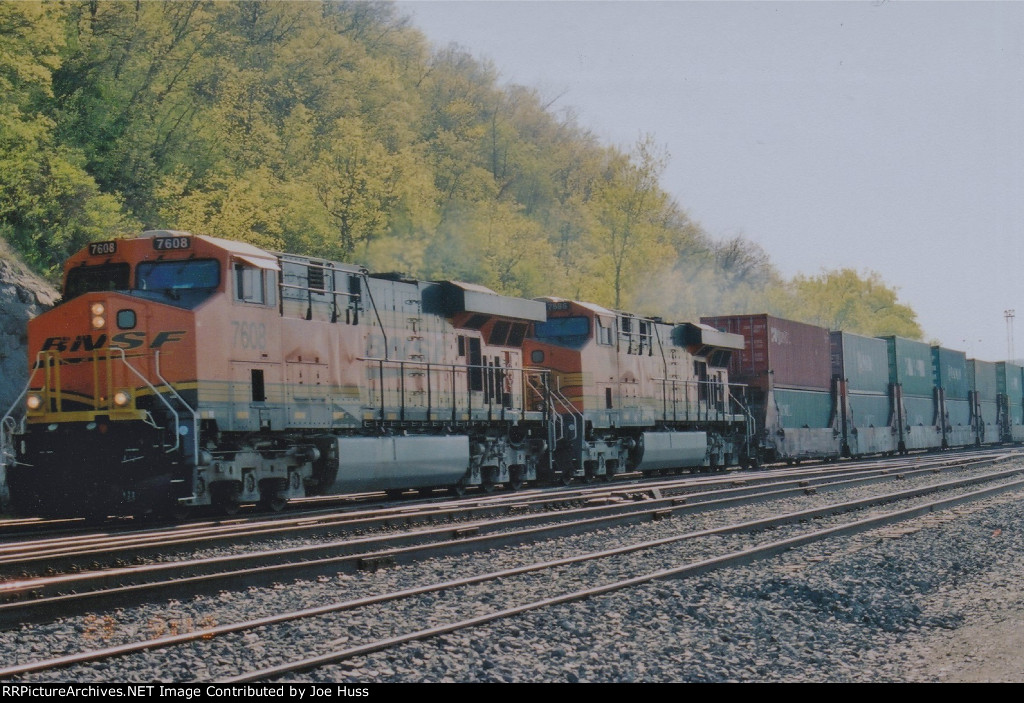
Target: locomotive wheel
<point>515,479</point>
<point>273,504</point>
<point>227,500</point>
<point>271,499</point>
<point>177,513</point>
<point>490,477</point>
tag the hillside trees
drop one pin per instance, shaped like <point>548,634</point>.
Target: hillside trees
<point>49,203</point>
<point>334,129</point>
<point>842,299</point>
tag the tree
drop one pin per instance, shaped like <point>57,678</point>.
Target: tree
<point>842,299</point>
<point>632,216</point>
<point>50,205</point>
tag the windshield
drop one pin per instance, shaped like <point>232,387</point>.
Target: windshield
<point>191,274</point>
<point>564,331</point>
<point>86,279</point>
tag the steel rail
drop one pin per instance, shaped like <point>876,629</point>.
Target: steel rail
<point>61,553</point>
<point>695,568</point>
<point>737,558</point>
<point>414,542</point>
<point>248,573</point>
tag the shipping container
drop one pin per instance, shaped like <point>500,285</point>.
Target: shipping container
<point>863,362</point>
<point>797,408</point>
<point>919,411</point>
<point>778,353</point>
<point>986,380</point>
<point>921,428</point>
<point>861,365</point>
<point>958,413</point>
<point>1011,398</point>
<point>1008,382</point>
<point>869,410</point>
<point>950,368</point>
<point>910,365</point>
<point>985,384</point>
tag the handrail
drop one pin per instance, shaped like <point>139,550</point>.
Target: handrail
<point>158,394</point>
<point>8,424</point>
<point>373,304</point>
<point>425,368</point>
<point>195,416</point>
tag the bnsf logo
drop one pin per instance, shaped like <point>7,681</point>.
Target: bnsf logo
<point>124,340</point>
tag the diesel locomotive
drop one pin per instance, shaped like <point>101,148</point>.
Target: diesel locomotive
<point>181,371</point>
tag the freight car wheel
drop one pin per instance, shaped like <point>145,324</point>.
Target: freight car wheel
<point>227,499</point>
<point>271,498</point>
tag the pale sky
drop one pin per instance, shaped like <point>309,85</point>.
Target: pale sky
<point>875,135</point>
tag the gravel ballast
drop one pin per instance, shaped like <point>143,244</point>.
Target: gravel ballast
<point>878,607</point>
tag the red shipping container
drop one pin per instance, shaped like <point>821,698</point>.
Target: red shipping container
<point>796,355</point>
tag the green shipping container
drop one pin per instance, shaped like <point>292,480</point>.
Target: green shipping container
<point>951,372</point>
<point>959,412</point>
<point>863,362</point>
<point>1008,382</point>
<point>804,408</point>
<point>985,379</point>
<point>920,411</point>
<point>869,410</point>
<point>910,365</point>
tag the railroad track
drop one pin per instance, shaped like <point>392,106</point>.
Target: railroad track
<point>705,550</point>
<point>122,548</point>
<point>63,529</point>
<point>40,598</point>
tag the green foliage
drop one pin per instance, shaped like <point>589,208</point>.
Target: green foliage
<point>50,205</point>
<point>845,300</point>
<point>334,129</point>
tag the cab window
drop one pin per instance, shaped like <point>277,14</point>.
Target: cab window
<point>178,276</point>
<point>249,286</point>
<point>563,331</point>
<point>87,279</point>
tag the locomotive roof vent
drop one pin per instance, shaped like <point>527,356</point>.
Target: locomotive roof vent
<point>689,334</point>
<point>451,297</point>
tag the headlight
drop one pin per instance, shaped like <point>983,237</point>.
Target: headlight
<point>122,398</point>
<point>34,401</point>
<point>98,322</point>
<point>97,309</point>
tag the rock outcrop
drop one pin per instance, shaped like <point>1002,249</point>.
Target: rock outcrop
<point>23,295</point>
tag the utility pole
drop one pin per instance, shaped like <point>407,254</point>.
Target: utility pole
<point>1009,315</point>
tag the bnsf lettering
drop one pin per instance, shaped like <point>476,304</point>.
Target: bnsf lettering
<point>124,340</point>
<point>128,340</point>
<point>56,343</point>
<point>85,342</point>
<point>164,337</point>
